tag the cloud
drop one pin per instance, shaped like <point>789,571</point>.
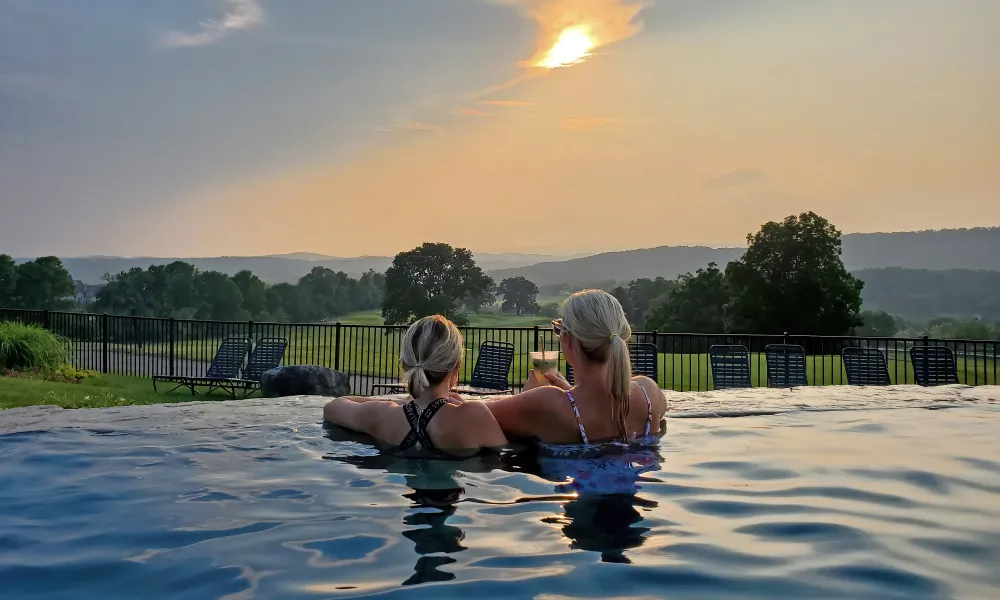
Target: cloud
<point>472,112</point>
<point>513,103</point>
<point>589,123</point>
<point>738,178</point>
<point>239,14</point>
<point>407,125</point>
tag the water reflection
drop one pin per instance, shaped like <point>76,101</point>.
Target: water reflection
<point>601,510</point>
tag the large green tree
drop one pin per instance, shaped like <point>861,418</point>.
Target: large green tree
<point>254,293</point>
<point>519,295</point>
<point>220,298</point>
<point>696,304</point>
<point>43,283</point>
<point>8,280</point>
<point>432,279</point>
<point>877,323</point>
<point>792,278</point>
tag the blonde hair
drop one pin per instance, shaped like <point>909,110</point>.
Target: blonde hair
<point>432,349</point>
<point>598,323</point>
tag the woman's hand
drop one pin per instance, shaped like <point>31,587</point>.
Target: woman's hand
<point>557,379</point>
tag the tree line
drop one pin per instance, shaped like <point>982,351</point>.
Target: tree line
<point>40,284</point>
<point>181,291</point>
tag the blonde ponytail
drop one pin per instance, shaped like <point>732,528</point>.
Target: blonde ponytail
<point>597,321</point>
<point>432,349</point>
<point>620,383</point>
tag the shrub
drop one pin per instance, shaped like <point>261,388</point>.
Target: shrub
<point>30,347</point>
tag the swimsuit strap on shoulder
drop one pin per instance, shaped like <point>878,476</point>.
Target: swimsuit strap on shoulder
<point>649,408</point>
<point>576,413</point>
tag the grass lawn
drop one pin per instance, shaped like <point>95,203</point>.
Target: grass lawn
<point>95,392</point>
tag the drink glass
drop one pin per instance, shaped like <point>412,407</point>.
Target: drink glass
<point>543,362</point>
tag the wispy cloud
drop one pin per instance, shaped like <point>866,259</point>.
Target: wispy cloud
<point>590,123</point>
<point>407,125</point>
<point>472,112</point>
<point>506,103</point>
<point>738,178</point>
<point>237,15</point>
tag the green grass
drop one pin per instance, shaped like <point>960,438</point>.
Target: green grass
<point>95,392</point>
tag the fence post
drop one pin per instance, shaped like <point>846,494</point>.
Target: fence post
<point>536,338</point>
<point>45,319</point>
<point>784,338</point>
<point>336,349</point>
<point>250,330</point>
<point>173,338</point>
<point>104,343</point>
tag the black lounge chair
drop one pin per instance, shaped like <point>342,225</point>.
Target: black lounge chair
<point>730,367</point>
<point>222,374</point>
<point>267,354</point>
<point>645,360</point>
<point>489,376</point>
<point>934,365</point>
<point>865,366</point>
<point>786,365</point>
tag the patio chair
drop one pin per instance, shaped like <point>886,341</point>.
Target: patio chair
<point>222,373</point>
<point>267,354</point>
<point>933,365</point>
<point>865,366</point>
<point>786,365</point>
<point>645,360</point>
<point>730,367</point>
<point>489,376</point>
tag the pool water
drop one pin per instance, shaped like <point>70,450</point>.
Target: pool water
<point>258,499</point>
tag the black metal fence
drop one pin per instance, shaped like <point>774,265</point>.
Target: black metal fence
<point>145,346</point>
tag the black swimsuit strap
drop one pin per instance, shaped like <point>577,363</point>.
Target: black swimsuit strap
<point>418,421</point>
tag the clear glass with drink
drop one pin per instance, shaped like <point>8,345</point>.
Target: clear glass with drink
<point>543,362</point>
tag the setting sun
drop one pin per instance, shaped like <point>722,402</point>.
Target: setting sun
<point>573,45</point>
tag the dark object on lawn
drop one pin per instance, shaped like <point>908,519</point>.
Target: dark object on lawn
<point>730,367</point>
<point>786,365</point>
<point>489,376</point>
<point>934,365</point>
<point>865,366</point>
<point>304,380</point>
<point>222,374</point>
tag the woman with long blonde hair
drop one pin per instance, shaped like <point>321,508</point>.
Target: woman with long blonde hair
<point>606,403</point>
<point>431,423</point>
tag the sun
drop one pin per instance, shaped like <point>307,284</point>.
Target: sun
<point>574,44</point>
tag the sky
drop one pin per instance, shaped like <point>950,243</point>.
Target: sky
<point>366,127</point>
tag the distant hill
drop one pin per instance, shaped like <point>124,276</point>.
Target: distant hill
<point>947,249</point>
<point>272,269</point>
<point>922,294</point>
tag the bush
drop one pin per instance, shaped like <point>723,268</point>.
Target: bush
<point>30,347</point>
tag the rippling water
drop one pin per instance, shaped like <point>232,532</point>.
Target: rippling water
<point>258,499</point>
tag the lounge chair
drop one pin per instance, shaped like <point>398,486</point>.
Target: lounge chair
<point>865,366</point>
<point>730,367</point>
<point>267,354</point>
<point>645,360</point>
<point>786,366</point>
<point>489,376</point>
<point>933,365</point>
<point>222,374</point>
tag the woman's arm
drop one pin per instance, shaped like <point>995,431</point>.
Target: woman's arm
<point>365,417</point>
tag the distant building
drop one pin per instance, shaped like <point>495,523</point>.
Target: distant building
<point>85,293</point>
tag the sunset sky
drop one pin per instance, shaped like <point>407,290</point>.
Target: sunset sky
<point>354,127</point>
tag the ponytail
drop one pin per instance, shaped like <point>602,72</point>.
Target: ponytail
<point>431,351</point>
<point>620,383</point>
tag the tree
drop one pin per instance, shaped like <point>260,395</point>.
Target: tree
<point>792,278</point>
<point>432,279</point>
<point>877,323</point>
<point>519,295</point>
<point>8,280</point>
<point>43,283</point>
<point>220,298</point>
<point>254,293</point>
<point>696,304</point>
<point>643,295</point>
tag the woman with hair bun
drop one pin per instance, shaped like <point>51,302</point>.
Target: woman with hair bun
<point>433,423</point>
<point>606,403</point>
